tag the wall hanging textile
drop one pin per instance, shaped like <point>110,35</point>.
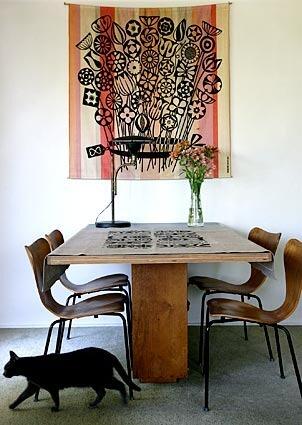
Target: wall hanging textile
<point>157,75</point>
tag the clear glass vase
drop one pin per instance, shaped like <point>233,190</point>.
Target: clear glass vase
<point>195,212</point>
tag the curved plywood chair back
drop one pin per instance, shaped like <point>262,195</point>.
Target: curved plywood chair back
<point>55,239</point>
<point>267,240</point>
<point>293,276</point>
<point>37,253</point>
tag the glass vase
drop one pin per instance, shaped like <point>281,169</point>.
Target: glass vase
<point>195,212</point>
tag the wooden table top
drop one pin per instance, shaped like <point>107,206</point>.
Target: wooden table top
<point>88,246</point>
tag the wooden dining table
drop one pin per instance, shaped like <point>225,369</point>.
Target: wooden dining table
<point>159,255</point>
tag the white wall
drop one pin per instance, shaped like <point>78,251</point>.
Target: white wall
<point>36,196</point>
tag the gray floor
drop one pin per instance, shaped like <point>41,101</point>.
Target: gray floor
<point>245,388</point>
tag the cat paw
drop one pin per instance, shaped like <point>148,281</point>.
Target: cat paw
<point>12,406</point>
<point>54,409</point>
<point>125,400</point>
<point>92,406</point>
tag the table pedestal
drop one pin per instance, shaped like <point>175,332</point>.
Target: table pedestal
<point>160,334</point>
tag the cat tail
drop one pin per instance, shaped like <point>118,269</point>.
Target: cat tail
<point>123,374</point>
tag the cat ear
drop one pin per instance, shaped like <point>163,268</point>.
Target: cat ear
<point>13,356</point>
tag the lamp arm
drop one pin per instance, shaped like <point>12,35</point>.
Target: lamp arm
<point>126,164</point>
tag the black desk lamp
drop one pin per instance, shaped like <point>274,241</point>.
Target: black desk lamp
<point>133,147</point>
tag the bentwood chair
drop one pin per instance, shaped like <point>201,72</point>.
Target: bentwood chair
<point>210,285</point>
<point>225,310</point>
<point>113,304</point>
<point>112,282</point>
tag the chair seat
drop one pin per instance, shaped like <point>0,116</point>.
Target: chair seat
<point>101,304</point>
<point>211,284</point>
<point>96,285</point>
<point>238,310</point>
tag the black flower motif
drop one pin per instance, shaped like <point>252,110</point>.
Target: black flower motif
<point>148,80</point>
<point>127,114</point>
<point>186,71</point>
<point>167,47</point>
<point>138,98</point>
<point>204,97</point>
<point>150,59</point>
<point>207,44</point>
<point>169,122</point>
<point>132,48</point>
<point>185,89</point>
<point>178,106</point>
<point>196,110</point>
<point>103,117</point>
<point>102,44</point>
<point>142,122</point>
<point>104,80</point>
<point>124,84</point>
<point>166,67</point>
<point>133,28</point>
<point>149,38</point>
<point>165,87</point>
<point>158,103</point>
<point>91,97</point>
<point>85,76</point>
<point>165,26</point>
<point>102,24</point>
<point>209,29</point>
<point>210,63</point>
<point>190,52</point>
<point>114,101</point>
<point>194,33</point>
<point>134,67</point>
<point>116,62</point>
<point>212,84</point>
<point>85,43</point>
<point>149,21</point>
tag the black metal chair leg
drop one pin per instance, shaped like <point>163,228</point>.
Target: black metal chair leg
<point>204,348</point>
<point>292,352</point>
<point>127,352</point>
<point>70,321</point>
<point>201,329</point>
<point>266,334</point>
<point>279,352</point>
<point>244,323</point>
<point>268,343</point>
<point>49,333</point>
<point>60,336</point>
<point>129,296</point>
<point>68,299</point>
<point>206,365</point>
<point>207,359</point>
<point>129,328</point>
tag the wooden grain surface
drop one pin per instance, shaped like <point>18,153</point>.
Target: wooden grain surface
<point>159,306</point>
<point>160,258</point>
<point>88,247</point>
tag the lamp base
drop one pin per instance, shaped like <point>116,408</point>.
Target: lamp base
<point>106,224</point>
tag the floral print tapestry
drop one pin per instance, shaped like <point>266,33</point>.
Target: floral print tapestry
<point>142,80</point>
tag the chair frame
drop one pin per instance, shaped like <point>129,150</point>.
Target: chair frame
<point>256,279</point>
<point>210,323</point>
<point>234,312</point>
<point>56,239</point>
<point>49,302</point>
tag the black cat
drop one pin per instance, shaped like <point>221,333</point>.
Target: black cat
<point>89,367</point>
